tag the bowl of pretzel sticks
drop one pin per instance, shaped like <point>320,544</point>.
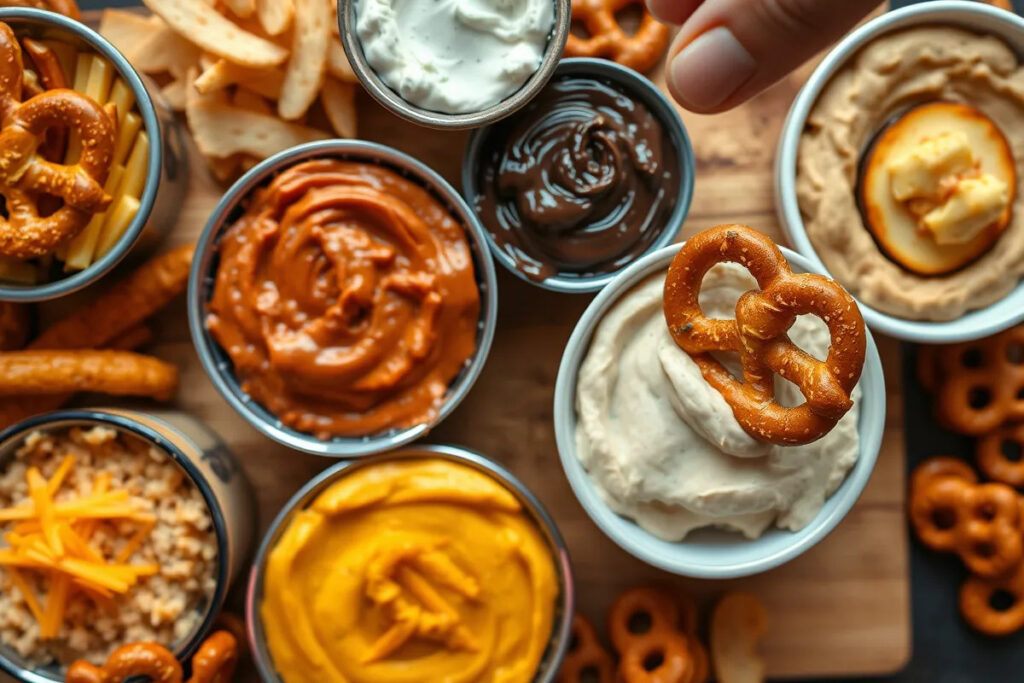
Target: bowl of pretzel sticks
<point>88,157</point>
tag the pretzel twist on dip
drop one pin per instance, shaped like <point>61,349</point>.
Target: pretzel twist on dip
<point>346,299</point>
<point>759,335</point>
<point>25,174</point>
<point>639,51</point>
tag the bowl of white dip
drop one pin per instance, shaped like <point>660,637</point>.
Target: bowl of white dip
<point>458,64</point>
<point>950,51</point>
<point>656,457</point>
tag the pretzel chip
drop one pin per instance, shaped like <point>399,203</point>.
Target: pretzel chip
<point>640,51</point>
<point>758,334</point>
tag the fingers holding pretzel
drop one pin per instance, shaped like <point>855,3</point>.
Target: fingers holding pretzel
<point>759,335</point>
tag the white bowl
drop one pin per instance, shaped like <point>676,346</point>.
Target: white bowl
<point>707,553</point>
<point>974,16</point>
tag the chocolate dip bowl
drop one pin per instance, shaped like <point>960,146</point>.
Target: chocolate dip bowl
<point>218,363</point>
<point>617,189</point>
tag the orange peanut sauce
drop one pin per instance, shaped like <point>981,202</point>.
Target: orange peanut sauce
<point>346,299</point>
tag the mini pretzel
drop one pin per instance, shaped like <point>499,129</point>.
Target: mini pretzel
<point>640,51</point>
<point>976,597</point>
<point>940,466</point>
<point>759,335</point>
<point>980,522</point>
<point>636,605</point>
<point>669,650</point>
<point>127,661</point>
<point>993,460</point>
<point>586,658</point>
<point>24,173</point>
<point>215,660</point>
<point>981,384</point>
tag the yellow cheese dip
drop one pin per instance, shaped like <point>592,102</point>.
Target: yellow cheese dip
<point>415,570</point>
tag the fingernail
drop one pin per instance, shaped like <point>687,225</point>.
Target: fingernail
<point>710,69</point>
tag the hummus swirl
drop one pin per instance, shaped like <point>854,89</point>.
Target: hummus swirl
<point>410,571</point>
<point>345,297</point>
<point>889,76</point>
<point>663,447</point>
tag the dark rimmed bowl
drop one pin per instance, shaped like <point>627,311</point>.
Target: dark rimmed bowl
<point>207,463</point>
<point>645,91</point>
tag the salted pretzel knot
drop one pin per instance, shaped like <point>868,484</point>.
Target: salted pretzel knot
<point>758,334</point>
<point>586,658</point>
<point>127,661</point>
<point>24,173</point>
<point>640,51</point>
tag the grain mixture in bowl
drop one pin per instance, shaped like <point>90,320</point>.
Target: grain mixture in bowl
<point>162,552</point>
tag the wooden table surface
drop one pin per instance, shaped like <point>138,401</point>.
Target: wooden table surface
<point>840,609</point>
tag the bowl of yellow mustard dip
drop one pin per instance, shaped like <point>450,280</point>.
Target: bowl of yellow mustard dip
<point>431,563</point>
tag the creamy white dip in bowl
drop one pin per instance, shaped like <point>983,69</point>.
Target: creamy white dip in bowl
<point>455,64</point>
<point>976,17</point>
<point>710,553</point>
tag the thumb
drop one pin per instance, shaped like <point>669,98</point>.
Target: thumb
<point>729,50</point>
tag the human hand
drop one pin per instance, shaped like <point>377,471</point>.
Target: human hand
<point>729,50</point>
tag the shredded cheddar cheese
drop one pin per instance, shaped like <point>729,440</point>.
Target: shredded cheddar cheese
<point>52,538</point>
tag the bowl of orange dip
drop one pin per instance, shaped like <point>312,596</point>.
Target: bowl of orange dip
<point>342,298</point>
<point>431,563</point>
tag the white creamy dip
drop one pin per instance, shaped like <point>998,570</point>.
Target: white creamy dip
<point>454,56</point>
<point>663,447</point>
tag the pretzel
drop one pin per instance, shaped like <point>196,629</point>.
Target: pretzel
<point>980,522</point>
<point>25,174</point>
<point>658,656</point>
<point>586,658</point>
<point>759,335</point>
<point>993,460</point>
<point>133,659</point>
<point>68,8</point>
<point>640,51</point>
<point>980,385</point>
<point>976,598</point>
<point>215,660</point>
<point>644,626</point>
<point>940,466</point>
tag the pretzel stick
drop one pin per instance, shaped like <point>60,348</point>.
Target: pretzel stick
<point>121,373</point>
<point>123,306</point>
<point>14,410</point>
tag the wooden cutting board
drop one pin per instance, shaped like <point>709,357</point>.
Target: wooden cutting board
<point>841,609</point>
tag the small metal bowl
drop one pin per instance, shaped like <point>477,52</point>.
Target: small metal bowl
<point>434,119</point>
<point>166,179</point>
<point>204,265</point>
<point>560,631</point>
<point>977,17</point>
<point>643,90</point>
<point>207,463</point>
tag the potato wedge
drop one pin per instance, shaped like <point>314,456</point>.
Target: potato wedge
<point>337,62</point>
<point>215,33</point>
<point>339,101</point>
<point>305,71</point>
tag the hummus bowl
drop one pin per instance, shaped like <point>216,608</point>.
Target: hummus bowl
<point>551,651</point>
<point>218,364</point>
<point>975,17</point>
<point>165,180</point>
<point>707,553</point>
